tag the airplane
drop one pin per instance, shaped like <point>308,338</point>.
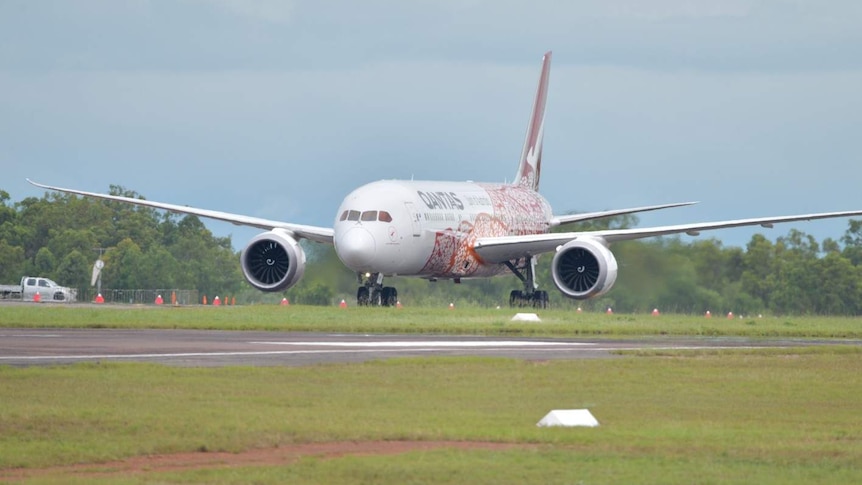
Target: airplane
<point>453,230</point>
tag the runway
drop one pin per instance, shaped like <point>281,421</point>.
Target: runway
<point>208,348</point>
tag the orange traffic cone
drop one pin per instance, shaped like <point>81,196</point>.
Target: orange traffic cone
<point>708,314</point>
<point>398,304</point>
<point>216,301</point>
<point>343,304</point>
<point>610,311</point>
<point>285,302</point>
<point>729,314</point>
<point>655,312</point>
<point>159,300</point>
<point>37,297</point>
<point>99,298</point>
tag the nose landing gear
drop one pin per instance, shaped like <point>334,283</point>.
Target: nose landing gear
<point>373,293</point>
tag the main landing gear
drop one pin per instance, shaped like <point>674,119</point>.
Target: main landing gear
<point>529,296</point>
<point>373,293</point>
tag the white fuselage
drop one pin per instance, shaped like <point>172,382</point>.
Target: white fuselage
<point>414,228</point>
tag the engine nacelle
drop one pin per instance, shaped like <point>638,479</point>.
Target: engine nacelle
<point>584,268</point>
<point>273,261</point>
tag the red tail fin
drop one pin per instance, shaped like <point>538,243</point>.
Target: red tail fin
<point>531,157</point>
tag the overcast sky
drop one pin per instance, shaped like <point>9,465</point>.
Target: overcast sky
<point>277,109</point>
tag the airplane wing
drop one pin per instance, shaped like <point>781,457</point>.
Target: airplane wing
<point>313,233</point>
<point>587,216</point>
<point>500,249</point>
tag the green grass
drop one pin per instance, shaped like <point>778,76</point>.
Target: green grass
<point>546,466</point>
<point>419,320</point>
<point>717,417</point>
<point>712,416</point>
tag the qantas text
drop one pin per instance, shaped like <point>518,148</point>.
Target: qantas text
<point>441,200</point>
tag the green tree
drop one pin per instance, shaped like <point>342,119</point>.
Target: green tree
<point>852,240</point>
<point>123,266</point>
<point>839,291</point>
<point>64,241</point>
<point>316,294</point>
<point>158,268</point>
<point>7,214</point>
<point>44,263</point>
<point>74,270</point>
<point>11,262</point>
<point>758,277</point>
<point>796,273</point>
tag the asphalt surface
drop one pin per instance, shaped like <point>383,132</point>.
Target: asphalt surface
<point>206,348</point>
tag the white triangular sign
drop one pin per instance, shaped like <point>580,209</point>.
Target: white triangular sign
<point>569,417</point>
<point>526,317</point>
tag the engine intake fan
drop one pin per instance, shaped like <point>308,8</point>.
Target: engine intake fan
<point>273,261</point>
<point>584,268</point>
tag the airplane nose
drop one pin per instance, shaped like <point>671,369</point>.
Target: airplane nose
<point>356,249</point>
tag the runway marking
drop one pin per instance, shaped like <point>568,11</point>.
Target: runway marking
<point>209,354</point>
<point>30,335</point>
<point>328,351</point>
<point>432,344</point>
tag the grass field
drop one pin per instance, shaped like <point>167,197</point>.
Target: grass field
<point>477,321</point>
<point>721,417</point>
<point>772,416</point>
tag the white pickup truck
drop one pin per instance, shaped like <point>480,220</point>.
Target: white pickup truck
<point>31,285</point>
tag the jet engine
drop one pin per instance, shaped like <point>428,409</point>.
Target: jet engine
<point>273,261</point>
<point>584,268</point>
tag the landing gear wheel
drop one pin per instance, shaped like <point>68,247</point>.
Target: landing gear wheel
<point>540,299</point>
<point>389,296</point>
<point>376,297</point>
<point>373,293</point>
<point>362,296</point>
<point>516,298</point>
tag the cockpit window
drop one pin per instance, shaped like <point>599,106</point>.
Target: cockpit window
<point>367,216</point>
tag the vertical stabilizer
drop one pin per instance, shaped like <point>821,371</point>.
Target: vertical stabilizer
<point>531,157</point>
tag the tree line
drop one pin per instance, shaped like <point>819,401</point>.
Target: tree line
<point>59,236</point>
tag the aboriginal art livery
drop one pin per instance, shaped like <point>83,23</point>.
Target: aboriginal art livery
<point>442,230</point>
<point>445,221</point>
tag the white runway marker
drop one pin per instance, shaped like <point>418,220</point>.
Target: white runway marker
<point>430,344</point>
<point>29,335</point>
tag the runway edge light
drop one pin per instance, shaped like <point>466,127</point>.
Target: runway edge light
<point>569,417</point>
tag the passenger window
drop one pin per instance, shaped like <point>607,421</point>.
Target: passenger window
<point>384,217</point>
<point>343,216</point>
<point>43,283</point>
<point>353,216</point>
<point>369,216</point>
